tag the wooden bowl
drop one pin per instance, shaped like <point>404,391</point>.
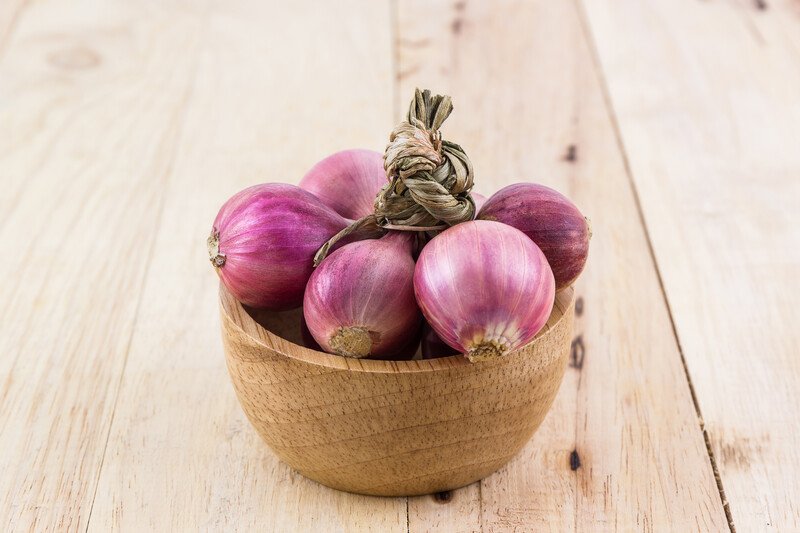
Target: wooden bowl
<point>390,428</point>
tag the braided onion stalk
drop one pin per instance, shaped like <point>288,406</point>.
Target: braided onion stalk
<point>484,287</point>
<point>429,178</point>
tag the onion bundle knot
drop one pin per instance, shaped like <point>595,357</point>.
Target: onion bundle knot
<point>429,178</point>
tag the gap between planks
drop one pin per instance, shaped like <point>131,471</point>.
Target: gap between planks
<point>582,16</point>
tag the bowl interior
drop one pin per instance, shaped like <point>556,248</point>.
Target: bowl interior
<point>281,331</point>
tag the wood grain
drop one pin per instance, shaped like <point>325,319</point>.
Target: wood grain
<point>125,125</point>
<point>91,142</point>
<point>625,409</point>
<point>271,97</point>
<point>10,15</point>
<point>712,142</point>
<point>391,428</point>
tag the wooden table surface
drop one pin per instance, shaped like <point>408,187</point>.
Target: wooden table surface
<point>673,124</point>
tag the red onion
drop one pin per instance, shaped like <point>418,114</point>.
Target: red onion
<point>484,287</point>
<point>479,200</point>
<point>347,181</point>
<point>264,240</point>
<point>359,301</point>
<point>550,220</point>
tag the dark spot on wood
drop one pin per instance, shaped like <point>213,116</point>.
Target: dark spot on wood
<point>443,497</point>
<point>572,153</point>
<point>737,452</point>
<point>457,25</point>
<point>574,460</point>
<point>761,5</point>
<point>577,353</point>
<point>734,455</point>
<point>579,306</point>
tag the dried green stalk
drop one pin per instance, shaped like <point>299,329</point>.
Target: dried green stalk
<point>430,179</point>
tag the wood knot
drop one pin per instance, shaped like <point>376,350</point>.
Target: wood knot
<point>574,460</point>
<point>571,154</point>
<point>577,353</point>
<point>579,306</point>
<point>74,58</point>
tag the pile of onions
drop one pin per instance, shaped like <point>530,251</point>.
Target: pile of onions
<point>383,250</point>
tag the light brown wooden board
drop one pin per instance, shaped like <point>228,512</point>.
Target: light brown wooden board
<point>91,99</point>
<point>10,15</point>
<point>271,96</point>
<point>125,125</point>
<point>707,97</point>
<point>525,89</point>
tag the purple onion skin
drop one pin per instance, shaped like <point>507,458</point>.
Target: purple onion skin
<point>550,220</point>
<point>360,302</point>
<point>433,346</point>
<point>347,181</point>
<point>484,287</point>
<point>267,237</point>
<point>479,200</point>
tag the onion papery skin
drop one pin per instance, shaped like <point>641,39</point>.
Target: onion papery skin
<point>484,287</point>
<point>347,181</point>
<point>479,200</point>
<point>550,220</point>
<point>263,243</point>
<point>360,301</point>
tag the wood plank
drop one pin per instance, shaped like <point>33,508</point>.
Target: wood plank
<point>529,106</point>
<point>275,91</point>
<point>709,114</point>
<point>11,12</point>
<point>772,23</point>
<point>97,97</point>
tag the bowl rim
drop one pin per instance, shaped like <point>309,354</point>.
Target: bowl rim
<point>232,310</point>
